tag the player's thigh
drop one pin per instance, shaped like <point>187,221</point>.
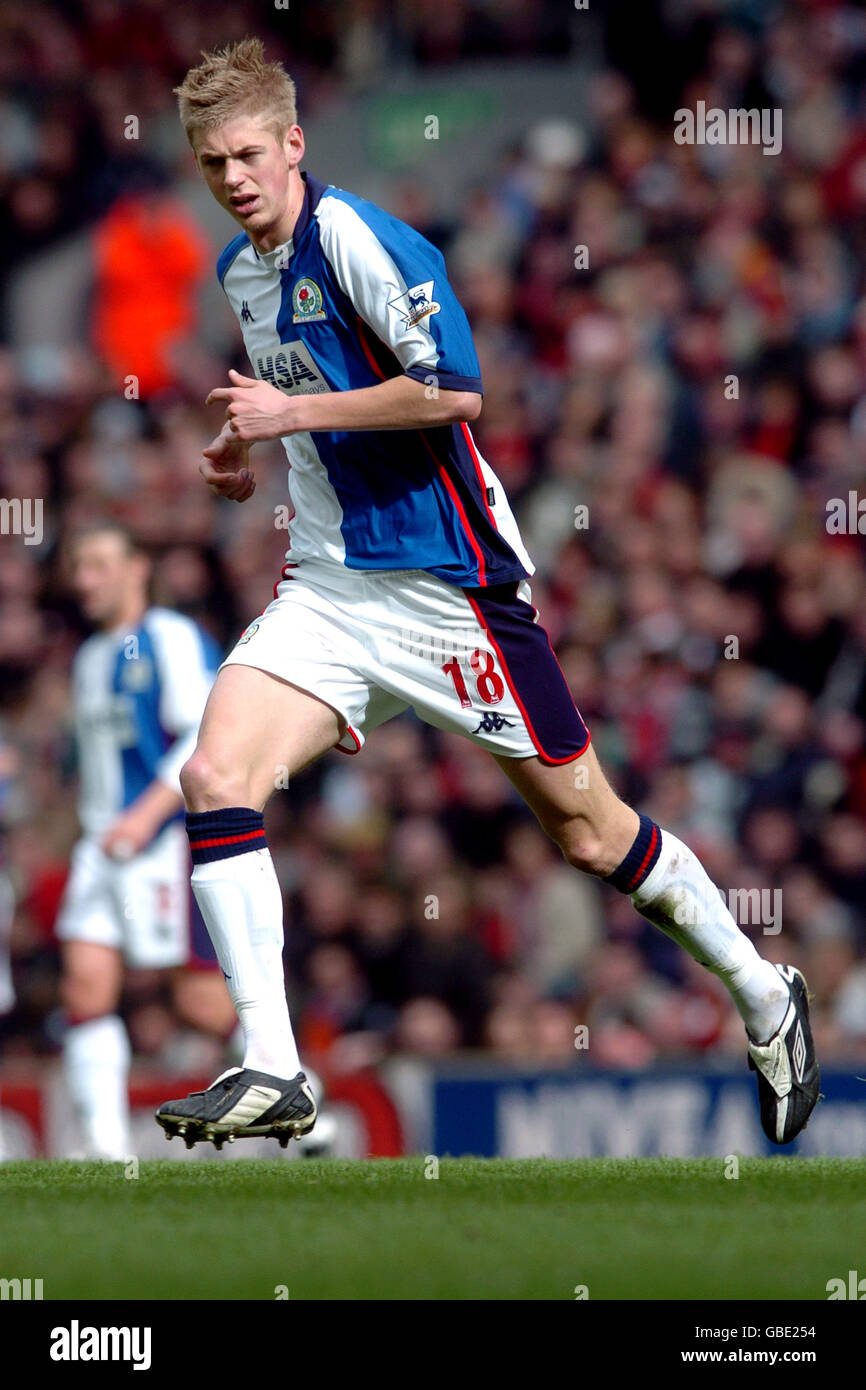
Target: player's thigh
<point>202,1001</point>
<point>256,732</point>
<point>152,902</point>
<point>90,934</point>
<point>91,978</point>
<point>577,806</point>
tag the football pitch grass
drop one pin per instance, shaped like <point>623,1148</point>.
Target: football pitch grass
<point>484,1229</point>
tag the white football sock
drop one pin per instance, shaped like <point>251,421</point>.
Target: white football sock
<point>96,1057</point>
<point>679,897</point>
<point>235,1046</point>
<point>242,906</point>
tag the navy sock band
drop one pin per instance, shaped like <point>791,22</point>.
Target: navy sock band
<point>223,834</point>
<point>640,859</point>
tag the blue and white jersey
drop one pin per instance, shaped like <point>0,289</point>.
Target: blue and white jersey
<point>138,696</point>
<point>354,298</point>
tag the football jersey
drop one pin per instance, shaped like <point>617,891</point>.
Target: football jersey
<point>354,298</point>
<point>138,697</point>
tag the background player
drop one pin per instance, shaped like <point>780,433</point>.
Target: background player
<point>7,992</point>
<point>367,371</point>
<point>139,687</point>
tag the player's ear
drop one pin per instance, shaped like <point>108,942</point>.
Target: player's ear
<point>293,145</point>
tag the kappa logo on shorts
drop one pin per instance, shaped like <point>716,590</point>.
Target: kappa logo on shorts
<point>492,723</point>
<point>247,634</point>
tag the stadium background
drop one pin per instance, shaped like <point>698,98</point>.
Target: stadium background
<point>605,390</point>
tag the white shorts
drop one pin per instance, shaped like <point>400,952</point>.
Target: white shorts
<point>373,643</point>
<point>142,907</point>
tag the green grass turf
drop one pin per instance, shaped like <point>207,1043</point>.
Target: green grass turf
<point>486,1229</point>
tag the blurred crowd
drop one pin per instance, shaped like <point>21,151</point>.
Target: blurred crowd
<point>671,414</point>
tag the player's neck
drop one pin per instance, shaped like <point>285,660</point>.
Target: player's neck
<point>127,618</point>
<point>283,230</point>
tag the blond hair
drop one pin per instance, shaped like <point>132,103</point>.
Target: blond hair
<point>236,81</point>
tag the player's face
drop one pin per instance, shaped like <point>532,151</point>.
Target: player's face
<point>107,579</point>
<point>249,172</point>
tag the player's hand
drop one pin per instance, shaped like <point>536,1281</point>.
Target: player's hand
<point>255,410</point>
<point>129,834</point>
<point>225,467</point>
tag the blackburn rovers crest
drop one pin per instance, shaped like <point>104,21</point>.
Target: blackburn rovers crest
<point>136,674</point>
<point>307,302</point>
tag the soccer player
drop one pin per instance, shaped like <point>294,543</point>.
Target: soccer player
<point>7,992</point>
<point>405,584</point>
<point>139,688</point>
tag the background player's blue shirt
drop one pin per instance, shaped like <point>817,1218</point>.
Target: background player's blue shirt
<point>138,695</point>
<point>357,297</point>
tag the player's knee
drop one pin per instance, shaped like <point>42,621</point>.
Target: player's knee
<point>85,996</point>
<point>205,785</point>
<point>583,847</point>
<point>202,1001</point>
<point>194,779</point>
